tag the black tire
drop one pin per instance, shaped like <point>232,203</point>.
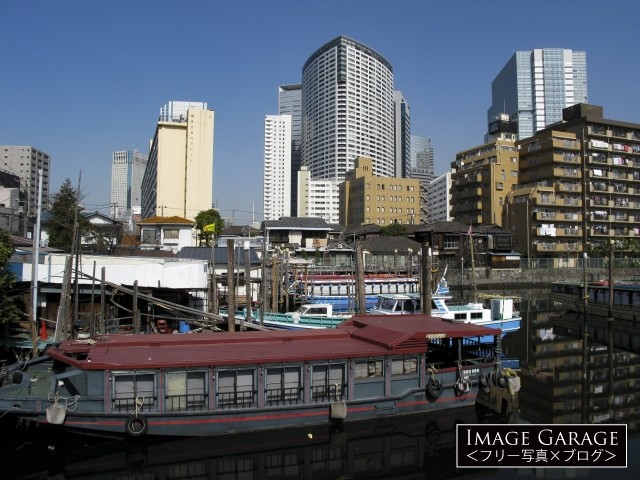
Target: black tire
<point>500,380</point>
<point>136,425</point>
<point>483,382</point>
<point>434,388</point>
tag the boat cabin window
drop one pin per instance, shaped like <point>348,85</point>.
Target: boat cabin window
<point>283,386</point>
<point>404,366</point>
<point>386,304</point>
<point>369,369</point>
<point>411,306</point>
<point>186,391</point>
<point>327,382</point>
<point>236,388</point>
<point>476,315</point>
<point>134,391</point>
<point>316,311</point>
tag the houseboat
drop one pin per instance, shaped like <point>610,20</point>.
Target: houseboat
<point>625,304</point>
<point>233,382</point>
<point>340,290</point>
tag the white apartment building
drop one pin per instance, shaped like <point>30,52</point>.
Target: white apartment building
<point>439,199</point>
<point>277,167</point>
<point>318,198</point>
<point>25,161</point>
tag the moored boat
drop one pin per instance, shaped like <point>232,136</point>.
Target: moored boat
<point>623,305</point>
<point>231,382</point>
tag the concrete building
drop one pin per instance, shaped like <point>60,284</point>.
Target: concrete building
<point>439,199</point>
<point>277,167</point>
<point>318,198</point>
<point>368,198</point>
<point>402,135</point>
<point>481,178</point>
<point>290,103</point>
<point>25,161</point>
<point>178,180</point>
<point>127,172</point>
<point>579,184</point>
<point>347,110</point>
<point>421,168</point>
<point>534,86</point>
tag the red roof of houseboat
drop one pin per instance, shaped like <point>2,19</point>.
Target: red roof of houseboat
<point>360,336</point>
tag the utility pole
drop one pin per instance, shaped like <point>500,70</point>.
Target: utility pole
<point>231,288</point>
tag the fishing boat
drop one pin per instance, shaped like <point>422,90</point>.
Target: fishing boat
<point>233,382</point>
<point>339,290</point>
<point>619,298</point>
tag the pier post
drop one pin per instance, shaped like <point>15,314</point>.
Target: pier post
<point>231,287</point>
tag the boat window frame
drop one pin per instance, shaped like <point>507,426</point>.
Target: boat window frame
<point>133,403</point>
<point>283,395</point>
<point>403,358</point>
<point>376,375</point>
<point>326,391</point>
<point>192,401</point>
<point>241,398</point>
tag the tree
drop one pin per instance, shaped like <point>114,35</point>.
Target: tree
<point>63,216</point>
<point>9,310</point>
<point>204,219</point>
<point>394,230</point>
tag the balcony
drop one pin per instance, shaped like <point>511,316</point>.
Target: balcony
<point>568,187</point>
<point>545,215</point>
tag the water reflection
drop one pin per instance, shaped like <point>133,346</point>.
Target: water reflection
<point>558,386</point>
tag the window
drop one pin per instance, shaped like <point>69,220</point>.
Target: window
<point>134,391</point>
<point>283,386</point>
<point>149,236</point>
<point>327,382</point>
<point>171,233</point>
<point>186,391</point>
<point>369,369</point>
<point>404,366</point>
<point>236,388</point>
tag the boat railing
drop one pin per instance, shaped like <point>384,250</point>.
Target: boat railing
<point>187,402</point>
<point>327,393</point>
<point>283,396</point>
<point>236,399</point>
<point>132,404</point>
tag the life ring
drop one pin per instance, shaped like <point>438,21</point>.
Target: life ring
<point>500,380</point>
<point>136,425</point>
<point>463,387</point>
<point>484,383</point>
<point>434,388</point>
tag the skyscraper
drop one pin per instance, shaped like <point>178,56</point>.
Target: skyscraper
<point>421,168</point>
<point>290,103</point>
<point>402,135</point>
<point>534,86</point>
<point>347,110</point>
<point>277,166</point>
<point>127,172</point>
<point>178,180</point>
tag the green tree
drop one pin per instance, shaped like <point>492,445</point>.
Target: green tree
<point>63,215</point>
<point>9,310</point>
<point>394,230</point>
<point>204,219</point>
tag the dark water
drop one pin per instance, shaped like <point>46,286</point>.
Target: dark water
<point>419,446</point>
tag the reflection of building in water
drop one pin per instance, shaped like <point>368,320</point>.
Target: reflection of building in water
<point>552,390</point>
<point>412,446</point>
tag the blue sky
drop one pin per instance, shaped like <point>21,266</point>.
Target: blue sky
<point>82,79</point>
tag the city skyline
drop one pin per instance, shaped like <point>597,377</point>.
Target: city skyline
<point>76,89</point>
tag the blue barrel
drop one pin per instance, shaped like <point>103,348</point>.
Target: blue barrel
<point>183,327</point>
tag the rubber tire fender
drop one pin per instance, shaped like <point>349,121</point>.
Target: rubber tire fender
<point>136,425</point>
<point>434,388</point>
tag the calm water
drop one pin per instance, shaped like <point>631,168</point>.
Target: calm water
<point>416,447</point>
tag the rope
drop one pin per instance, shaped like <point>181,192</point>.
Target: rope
<point>12,408</point>
<point>139,401</point>
<point>70,403</point>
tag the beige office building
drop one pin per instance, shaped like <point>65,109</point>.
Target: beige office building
<point>366,198</point>
<point>178,180</point>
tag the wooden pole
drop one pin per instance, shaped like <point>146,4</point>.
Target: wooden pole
<point>247,283</point>
<point>362,299</point>
<point>92,325</point>
<point>134,308</point>
<point>231,288</point>
<point>425,295</point>
<point>103,302</point>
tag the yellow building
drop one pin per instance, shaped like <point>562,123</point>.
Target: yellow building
<point>366,198</point>
<point>481,178</point>
<point>178,180</point>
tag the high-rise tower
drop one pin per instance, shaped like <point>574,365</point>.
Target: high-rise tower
<point>534,86</point>
<point>347,110</point>
<point>127,172</point>
<point>290,103</point>
<point>277,167</point>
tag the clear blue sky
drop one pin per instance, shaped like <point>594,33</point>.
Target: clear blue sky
<point>82,79</point>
